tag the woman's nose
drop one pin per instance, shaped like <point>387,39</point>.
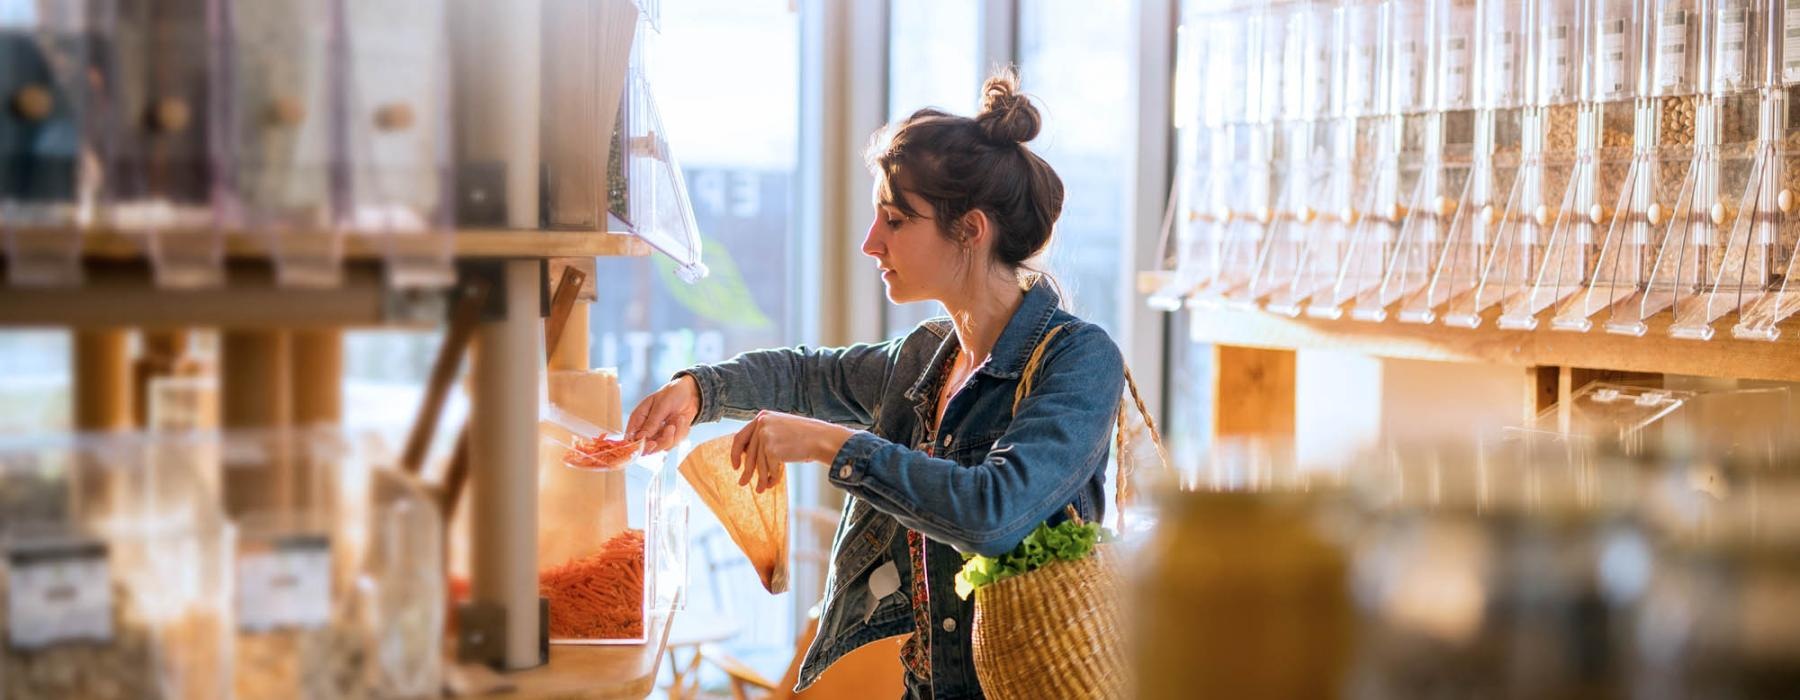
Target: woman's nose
<point>872,246</point>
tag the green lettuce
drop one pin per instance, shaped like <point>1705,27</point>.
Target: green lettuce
<point>1064,541</point>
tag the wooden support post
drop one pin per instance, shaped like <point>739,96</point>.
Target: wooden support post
<point>1255,390</point>
<point>160,356</point>
<point>102,380</point>
<point>572,351</point>
<point>318,377</point>
<point>503,462</point>
<point>254,383</point>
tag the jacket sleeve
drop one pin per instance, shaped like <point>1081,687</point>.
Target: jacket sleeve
<point>1036,466</point>
<point>837,385</point>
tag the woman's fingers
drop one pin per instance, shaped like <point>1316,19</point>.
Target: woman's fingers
<point>753,454</point>
<point>665,439</point>
<point>639,415</point>
<point>738,443</point>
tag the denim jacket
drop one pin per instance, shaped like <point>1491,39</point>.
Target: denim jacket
<point>996,477</point>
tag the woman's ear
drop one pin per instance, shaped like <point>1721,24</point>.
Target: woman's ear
<point>977,228</point>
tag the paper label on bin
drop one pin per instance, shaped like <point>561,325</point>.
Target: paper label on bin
<point>1790,42</point>
<point>1559,75</point>
<point>1612,57</point>
<point>1671,48</point>
<point>1504,66</point>
<point>57,595</point>
<point>1733,24</point>
<point>1456,70</point>
<point>286,585</point>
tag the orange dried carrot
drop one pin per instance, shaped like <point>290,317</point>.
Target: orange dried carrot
<point>601,595</point>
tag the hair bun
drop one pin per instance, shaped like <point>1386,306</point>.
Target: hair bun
<point>1007,116</point>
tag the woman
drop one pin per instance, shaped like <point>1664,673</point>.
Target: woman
<point>920,430</point>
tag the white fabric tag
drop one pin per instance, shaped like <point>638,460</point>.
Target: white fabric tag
<point>884,581</point>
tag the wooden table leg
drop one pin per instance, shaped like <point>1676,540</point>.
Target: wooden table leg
<point>318,377</point>
<point>102,380</point>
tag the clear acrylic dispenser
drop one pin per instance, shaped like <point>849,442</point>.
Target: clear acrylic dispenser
<point>1447,174</point>
<point>1680,187</point>
<point>1249,201</point>
<point>1622,165</point>
<point>1743,257</point>
<point>398,123</point>
<point>1603,138</point>
<point>1370,158</point>
<point>48,140</point>
<point>587,48</point>
<point>661,212</point>
<point>1551,135</point>
<point>159,72</point>
<point>1332,157</point>
<point>1411,91</point>
<point>612,541</point>
<point>1759,318</point>
<point>116,572</point>
<point>278,112</point>
<point>1194,258</point>
<point>1304,144</point>
<point>1223,112</point>
<point>1505,81</point>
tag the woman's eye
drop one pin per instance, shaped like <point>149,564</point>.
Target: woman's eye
<point>895,223</point>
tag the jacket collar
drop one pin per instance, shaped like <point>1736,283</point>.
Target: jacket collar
<point>1011,351</point>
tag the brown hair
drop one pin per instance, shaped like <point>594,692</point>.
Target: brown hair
<point>958,165</point>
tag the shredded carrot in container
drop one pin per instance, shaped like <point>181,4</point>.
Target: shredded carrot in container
<point>601,595</point>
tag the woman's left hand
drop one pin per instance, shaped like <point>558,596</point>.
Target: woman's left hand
<point>771,440</point>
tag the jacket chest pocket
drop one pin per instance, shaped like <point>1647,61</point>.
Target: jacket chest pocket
<point>968,450</point>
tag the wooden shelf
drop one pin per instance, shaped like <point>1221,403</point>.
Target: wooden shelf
<point>596,672</point>
<point>470,243</point>
<point>1657,352</point>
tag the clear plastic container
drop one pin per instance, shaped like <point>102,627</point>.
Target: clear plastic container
<point>1245,200</point>
<point>116,572</point>
<point>1492,570</point>
<point>1553,129</point>
<point>1216,180</point>
<point>1674,197</point>
<point>1303,135</point>
<point>1585,272</point>
<point>339,585</point>
<point>1412,37</point>
<point>661,212</point>
<point>1331,162</point>
<point>398,136</point>
<point>1190,247</point>
<point>1366,150</point>
<point>587,49</point>
<point>1760,316</point>
<point>278,105</point>
<point>1740,257</point>
<point>48,139</point>
<point>1723,581</point>
<point>159,75</point>
<point>1506,80</point>
<point>612,543</point>
<point>1449,162</point>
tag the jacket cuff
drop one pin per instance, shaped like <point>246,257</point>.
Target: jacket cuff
<point>852,461</point>
<point>710,384</point>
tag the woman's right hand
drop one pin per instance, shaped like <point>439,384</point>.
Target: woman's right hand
<point>662,419</point>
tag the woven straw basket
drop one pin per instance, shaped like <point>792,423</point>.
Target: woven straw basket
<point>1053,632</point>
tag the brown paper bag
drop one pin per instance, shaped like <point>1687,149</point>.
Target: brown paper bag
<point>757,522</point>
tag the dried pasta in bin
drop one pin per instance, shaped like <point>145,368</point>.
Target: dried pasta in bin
<point>757,522</point>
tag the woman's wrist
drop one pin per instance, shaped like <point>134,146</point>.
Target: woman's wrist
<point>831,439</point>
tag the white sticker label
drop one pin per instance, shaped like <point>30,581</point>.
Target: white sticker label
<point>1361,82</point>
<point>285,585</point>
<point>1456,70</point>
<point>1560,70</point>
<point>1320,100</point>
<point>1732,26</point>
<point>1790,42</point>
<point>1671,48</point>
<point>1407,91</point>
<point>59,595</point>
<point>1506,66</point>
<point>1612,57</point>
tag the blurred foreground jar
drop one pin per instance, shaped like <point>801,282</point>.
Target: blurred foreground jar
<point>1721,616</point>
<point>1239,591</point>
<point>1502,570</point>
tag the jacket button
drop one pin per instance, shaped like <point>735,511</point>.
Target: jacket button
<point>844,472</point>
<point>949,624</point>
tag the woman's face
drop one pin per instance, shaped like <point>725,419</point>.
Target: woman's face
<point>918,261</point>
